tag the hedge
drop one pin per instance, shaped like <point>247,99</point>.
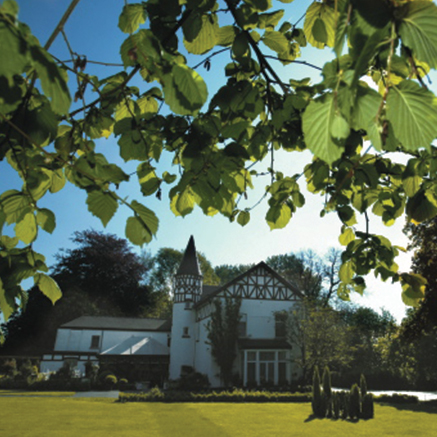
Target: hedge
<point>156,395</point>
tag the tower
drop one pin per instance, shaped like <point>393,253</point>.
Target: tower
<point>187,289</point>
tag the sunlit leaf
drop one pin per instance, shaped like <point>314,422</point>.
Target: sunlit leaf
<point>412,110</point>
<point>102,204</point>
<point>48,287</point>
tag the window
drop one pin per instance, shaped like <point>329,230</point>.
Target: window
<point>185,332</point>
<point>265,367</point>
<point>95,342</point>
<point>188,305</point>
<point>280,324</point>
<point>242,327</point>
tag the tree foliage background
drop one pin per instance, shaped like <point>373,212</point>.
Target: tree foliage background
<point>216,140</point>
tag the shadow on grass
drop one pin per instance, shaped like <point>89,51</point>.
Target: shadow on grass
<point>312,417</point>
<point>421,407</point>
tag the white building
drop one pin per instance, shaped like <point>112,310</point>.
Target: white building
<point>263,354</point>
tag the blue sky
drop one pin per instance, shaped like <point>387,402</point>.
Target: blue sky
<point>92,31</point>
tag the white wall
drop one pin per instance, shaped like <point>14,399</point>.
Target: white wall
<point>261,316</point>
<point>260,319</point>
<point>182,347</point>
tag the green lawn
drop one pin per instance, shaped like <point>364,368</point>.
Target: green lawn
<point>103,417</point>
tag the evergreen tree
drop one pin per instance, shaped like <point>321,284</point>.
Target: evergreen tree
<point>317,402</point>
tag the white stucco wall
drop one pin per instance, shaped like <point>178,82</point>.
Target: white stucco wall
<point>260,324</point>
<point>182,351</point>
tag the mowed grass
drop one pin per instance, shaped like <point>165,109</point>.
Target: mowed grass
<point>104,417</point>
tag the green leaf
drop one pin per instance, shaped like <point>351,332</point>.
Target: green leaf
<point>26,229</point>
<point>46,220</point>
<point>140,48</point>
<point>205,39</point>
<point>132,146</point>
<point>147,216</point>
<point>15,205</point>
<point>319,31</point>
<point>168,178</point>
<point>317,121</point>
<point>13,51</point>
<point>7,303</point>
<point>243,218</point>
<point>184,90</point>
<point>10,7</point>
<point>225,35</point>
<point>147,178</point>
<point>141,228</point>
<point>340,127</point>
<point>419,208</point>
<point>48,287</point>
<point>131,17</point>
<point>411,180</point>
<point>53,80</point>
<point>270,20</point>
<point>184,202</point>
<point>102,204</point>
<point>412,111</point>
<point>278,216</point>
<point>418,31</point>
<point>346,236</point>
<point>7,242</point>
<point>366,107</point>
<point>413,288</point>
<point>346,272</point>
<point>326,14</point>
<point>275,41</point>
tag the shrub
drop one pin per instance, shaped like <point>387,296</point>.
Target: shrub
<point>354,402</point>
<point>344,404</point>
<point>327,392</point>
<point>368,409</point>
<point>9,367</point>
<point>335,405</point>
<point>91,370</point>
<point>317,401</point>
<point>363,385</point>
<point>192,381</point>
<point>110,381</point>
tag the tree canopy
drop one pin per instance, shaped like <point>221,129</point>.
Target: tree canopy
<point>372,101</point>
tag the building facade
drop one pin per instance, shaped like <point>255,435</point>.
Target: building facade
<point>263,354</point>
<point>181,345</point>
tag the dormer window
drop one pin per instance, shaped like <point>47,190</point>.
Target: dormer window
<point>95,342</point>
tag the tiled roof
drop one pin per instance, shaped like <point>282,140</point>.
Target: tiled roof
<point>119,324</point>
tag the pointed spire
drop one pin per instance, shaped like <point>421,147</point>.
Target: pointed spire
<point>190,263</point>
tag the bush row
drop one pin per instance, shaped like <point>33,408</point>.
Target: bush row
<point>238,395</point>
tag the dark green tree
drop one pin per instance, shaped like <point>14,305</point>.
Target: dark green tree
<point>316,400</point>
<point>223,335</point>
<point>423,243</point>
<point>227,272</point>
